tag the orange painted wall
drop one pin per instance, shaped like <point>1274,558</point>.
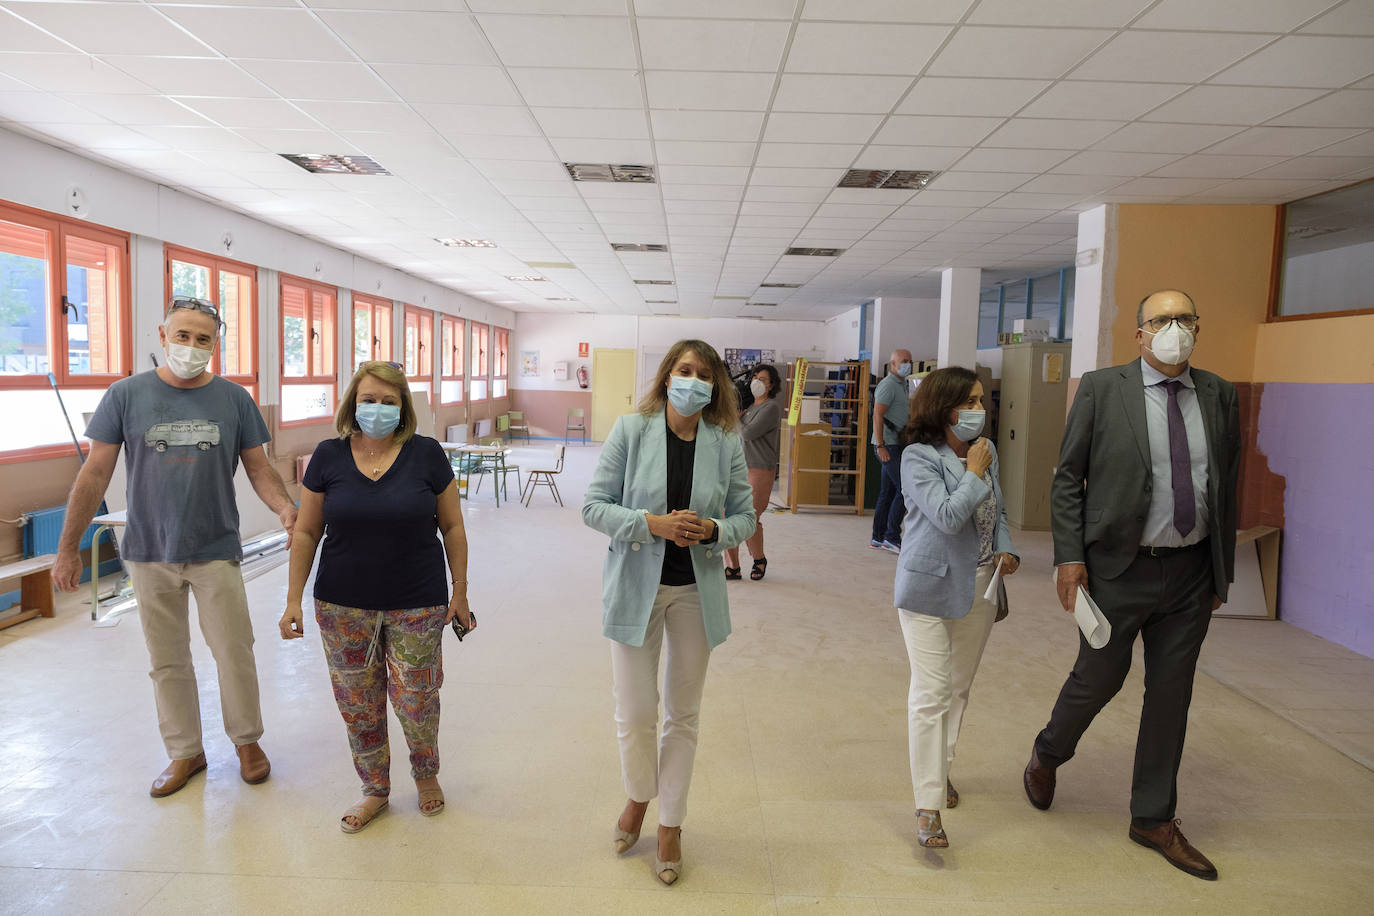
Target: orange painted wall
<point>1316,351</point>
<point>1222,256</point>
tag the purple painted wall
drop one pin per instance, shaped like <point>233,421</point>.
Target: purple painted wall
<point>1321,439</point>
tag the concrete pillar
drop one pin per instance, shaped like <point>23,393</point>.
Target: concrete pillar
<point>959,316</point>
<point>1094,299</point>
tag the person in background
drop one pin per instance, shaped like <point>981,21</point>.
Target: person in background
<point>890,401</point>
<point>671,491</point>
<point>956,537</point>
<point>379,494</point>
<point>759,429</point>
<point>184,431</point>
<point>1143,510</point>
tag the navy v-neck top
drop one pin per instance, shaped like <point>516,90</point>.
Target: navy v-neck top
<point>381,547</point>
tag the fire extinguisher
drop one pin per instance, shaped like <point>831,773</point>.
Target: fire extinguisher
<point>583,379</point>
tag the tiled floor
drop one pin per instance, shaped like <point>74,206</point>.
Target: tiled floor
<point>801,801</point>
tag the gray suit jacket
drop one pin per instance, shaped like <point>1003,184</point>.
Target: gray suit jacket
<point>1101,490</point>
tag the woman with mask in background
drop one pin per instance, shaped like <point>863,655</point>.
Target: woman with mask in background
<point>671,491</point>
<point>377,494</point>
<point>759,430</point>
<point>955,535</point>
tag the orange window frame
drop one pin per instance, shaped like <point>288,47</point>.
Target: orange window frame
<point>481,344</point>
<point>244,315</point>
<point>54,251</point>
<point>319,306</point>
<point>379,324</point>
<point>500,364</point>
<point>452,351</point>
<point>421,322</point>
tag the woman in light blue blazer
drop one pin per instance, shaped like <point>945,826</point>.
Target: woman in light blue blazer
<point>953,539</point>
<point>672,492</point>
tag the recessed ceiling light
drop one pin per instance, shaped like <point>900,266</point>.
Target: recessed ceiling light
<point>654,282</point>
<point>638,246</point>
<point>552,265</point>
<point>815,252</point>
<point>780,286</point>
<point>332,164</point>
<point>887,179</point>
<point>660,302</point>
<point>559,299</point>
<point>587,171</point>
<point>731,298</point>
<point>528,278</point>
<point>466,243</point>
<point>762,305</point>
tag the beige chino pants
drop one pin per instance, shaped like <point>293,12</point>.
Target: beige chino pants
<point>163,591</point>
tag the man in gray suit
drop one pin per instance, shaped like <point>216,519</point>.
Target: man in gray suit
<point>1144,518</point>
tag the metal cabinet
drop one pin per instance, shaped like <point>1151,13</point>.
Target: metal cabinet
<point>1035,378</point>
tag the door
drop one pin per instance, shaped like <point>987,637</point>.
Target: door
<point>613,388</point>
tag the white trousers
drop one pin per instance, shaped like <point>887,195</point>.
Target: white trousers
<point>944,655</point>
<point>654,767</point>
<point>163,591</point>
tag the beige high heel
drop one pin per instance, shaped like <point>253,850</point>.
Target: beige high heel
<point>624,840</point>
<point>668,872</point>
<point>932,835</point>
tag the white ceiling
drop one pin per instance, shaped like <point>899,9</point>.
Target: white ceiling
<point>750,110</point>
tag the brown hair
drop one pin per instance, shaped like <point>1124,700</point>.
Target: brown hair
<point>939,392</point>
<point>723,411</point>
<point>345,419</point>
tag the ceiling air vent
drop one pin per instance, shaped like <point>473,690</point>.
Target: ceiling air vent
<point>466,243</point>
<point>329,164</point>
<point>637,246</point>
<point>654,282</point>
<point>780,286</point>
<point>586,171</point>
<point>527,278</point>
<point>815,252</point>
<point>887,179</point>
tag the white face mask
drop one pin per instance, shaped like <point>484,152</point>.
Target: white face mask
<point>758,388</point>
<point>187,362</point>
<point>1173,345</point>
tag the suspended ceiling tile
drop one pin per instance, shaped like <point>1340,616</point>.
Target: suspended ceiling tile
<point>574,149</point>
<point>1137,55</point>
<point>935,95</point>
<point>191,76</point>
<point>689,152</point>
<point>914,130</point>
<point>706,125</point>
<point>1090,99</point>
<point>409,37</point>
<point>832,47</point>
<point>578,88</point>
<point>1165,186</point>
<point>1281,141</point>
<point>488,147</point>
<point>391,117</point>
<point>1218,167</point>
<point>707,44</point>
<point>1070,184</point>
<point>797,127</point>
<point>1346,19</point>
<point>1231,104</point>
<point>808,155</point>
<point>275,34</point>
<point>705,90</point>
<point>835,93</point>
<point>69,73</point>
<point>1165,138</point>
<point>195,139</point>
<point>714,9</point>
<point>319,80</point>
<point>917,158</point>
<point>1071,13</point>
<point>985,159</point>
<point>601,124</point>
<point>980,181</point>
<point>1319,167</point>
<point>1101,162</point>
<point>110,28</point>
<point>1232,15</point>
<point>264,113</point>
<point>796,178</point>
<point>1348,108</point>
<point>1031,53</point>
<point>1050,133</point>
<point>462,120</point>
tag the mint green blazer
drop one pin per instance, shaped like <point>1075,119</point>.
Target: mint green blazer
<point>632,478</point>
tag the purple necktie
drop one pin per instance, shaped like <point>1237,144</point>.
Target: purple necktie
<point>1180,463</point>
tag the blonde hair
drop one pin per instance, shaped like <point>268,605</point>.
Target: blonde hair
<point>345,419</point>
<point>723,411</point>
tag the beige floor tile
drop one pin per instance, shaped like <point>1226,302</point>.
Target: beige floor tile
<point>77,892</point>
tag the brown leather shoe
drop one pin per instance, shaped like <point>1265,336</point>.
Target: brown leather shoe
<point>1169,842</point>
<point>1039,782</point>
<point>253,763</point>
<point>177,774</point>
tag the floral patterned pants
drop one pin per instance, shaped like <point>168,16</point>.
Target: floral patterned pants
<point>376,654</point>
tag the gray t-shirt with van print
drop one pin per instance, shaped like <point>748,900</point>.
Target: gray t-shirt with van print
<point>181,449</point>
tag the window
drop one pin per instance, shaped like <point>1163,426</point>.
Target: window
<point>64,310</point>
<point>989,307</point>
<point>477,384</point>
<point>500,363</point>
<point>371,329</point>
<point>419,344</point>
<point>234,288</point>
<point>1049,297</point>
<point>450,360</point>
<point>1327,262</point>
<point>308,313</point>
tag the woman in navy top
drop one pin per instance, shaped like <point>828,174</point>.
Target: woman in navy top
<point>379,495</point>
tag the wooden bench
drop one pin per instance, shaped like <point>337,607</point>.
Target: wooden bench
<point>35,588</point>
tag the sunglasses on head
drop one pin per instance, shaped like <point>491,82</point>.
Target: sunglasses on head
<point>382,362</point>
<point>193,304</point>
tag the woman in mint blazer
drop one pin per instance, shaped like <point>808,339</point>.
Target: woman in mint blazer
<point>672,492</point>
<point>953,538</point>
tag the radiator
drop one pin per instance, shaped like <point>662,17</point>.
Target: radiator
<point>302,462</point>
<point>483,429</point>
<point>457,433</point>
<point>43,528</point>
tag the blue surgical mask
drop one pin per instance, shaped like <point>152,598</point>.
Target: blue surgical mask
<point>970,424</point>
<point>378,420</point>
<point>689,395</point>
<point>903,369</point>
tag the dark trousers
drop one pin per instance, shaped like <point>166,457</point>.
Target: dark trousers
<point>891,509</point>
<point>1167,600</point>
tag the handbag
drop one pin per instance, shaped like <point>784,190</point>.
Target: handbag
<point>1001,601</point>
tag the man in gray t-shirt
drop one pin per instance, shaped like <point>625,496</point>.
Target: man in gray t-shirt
<point>184,432</point>
<point>891,403</point>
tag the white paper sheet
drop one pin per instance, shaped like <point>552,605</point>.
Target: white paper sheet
<point>1096,629</point>
<point>991,593</point>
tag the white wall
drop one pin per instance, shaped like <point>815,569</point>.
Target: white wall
<point>906,324</point>
<point>1094,285</point>
<point>842,337</point>
<point>556,338</point>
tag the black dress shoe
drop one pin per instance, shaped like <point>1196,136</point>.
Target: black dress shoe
<point>1169,842</point>
<point>1039,782</point>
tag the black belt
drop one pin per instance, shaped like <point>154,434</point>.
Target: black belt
<point>1147,551</point>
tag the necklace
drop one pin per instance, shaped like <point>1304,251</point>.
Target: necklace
<point>376,456</point>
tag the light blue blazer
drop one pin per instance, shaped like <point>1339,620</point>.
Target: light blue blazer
<point>939,558</point>
<point>631,479</point>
